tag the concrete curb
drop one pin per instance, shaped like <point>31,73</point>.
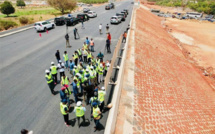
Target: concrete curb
<point>112,116</point>
<point>23,28</point>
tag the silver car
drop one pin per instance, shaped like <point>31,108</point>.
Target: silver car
<point>115,20</point>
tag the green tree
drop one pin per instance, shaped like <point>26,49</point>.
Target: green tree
<point>62,5</point>
<point>20,3</point>
<point>7,8</point>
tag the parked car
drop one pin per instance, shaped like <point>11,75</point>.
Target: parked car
<point>71,21</point>
<point>43,26</point>
<point>115,20</point>
<point>83,17</point>
<point>107,7</point>
<point>59,21</point>
<point>125,13</point>
<point>121,15</point>
<point>85,10</point>
<point>126,10</point>
<point>92,14</point>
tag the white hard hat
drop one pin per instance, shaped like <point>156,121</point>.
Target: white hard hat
<point>103,88</point>
<point>47,71</point>
<point>75,66</point>
<point>87,70</point>
<point>78,103</point>
<point>60,61</point>
<point>91,67</point>
<point>52,63</point>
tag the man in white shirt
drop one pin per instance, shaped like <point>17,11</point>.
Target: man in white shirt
<point>100,28</point>
<point>60,66</point>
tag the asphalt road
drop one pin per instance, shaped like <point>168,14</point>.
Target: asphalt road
<point>25,99</point>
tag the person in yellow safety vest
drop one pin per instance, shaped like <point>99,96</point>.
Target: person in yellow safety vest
<point>75,58</point>
<point>79,111</point>
<point>89,56</point>
<point>93,60</point>
<point>100,71</point>
<point>65,81</point>
<point>80,66</point>
<point>53,70</point>
<point>66,59</point>
<point>85,53</point>
<point>97,61</point>
<point>93,76</point>
<point>96,115</point>
<point>85,46</point>
<point>65,110</point>
<point>50,81</point>
<point>101,95</point>
<point>75,70</point>
<point>80,54</point>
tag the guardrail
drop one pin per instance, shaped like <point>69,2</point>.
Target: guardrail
<point>112,116</point>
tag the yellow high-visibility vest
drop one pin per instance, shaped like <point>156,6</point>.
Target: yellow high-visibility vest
<point>49,77</point>
<point>62,108</point>
<point>79,111</point>
<point>66,58</point>
<point>53,70</point>
<point>101,95</point>
<point>64,81</point>
<point>96,112</point>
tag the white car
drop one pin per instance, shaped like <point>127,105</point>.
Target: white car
<point>43,25</point>
<point>115,20</point>
<point>92,14</point>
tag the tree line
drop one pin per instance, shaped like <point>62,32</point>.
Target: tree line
<point>206,6</point>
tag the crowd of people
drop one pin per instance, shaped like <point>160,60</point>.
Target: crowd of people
<point>85,73</point>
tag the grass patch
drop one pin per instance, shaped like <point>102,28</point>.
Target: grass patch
<point>6,24</point>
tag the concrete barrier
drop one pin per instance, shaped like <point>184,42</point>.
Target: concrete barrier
<point>112,116</point>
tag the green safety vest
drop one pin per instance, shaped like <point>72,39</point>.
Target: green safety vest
<point>100,70</point>
<point>65,81</point>
<point>62,107</point>
<point>95,112</point>
<point>75,56</point>
<point>98,61</point>
<point>49,77</point>
<point>85,46</point>
<point>79,52</point>
<point>89,55</point>
<point>101,95</point>
<point>66,58</point>
<point>79,111</point>
<point>84,79</point>
<point>53,70</point>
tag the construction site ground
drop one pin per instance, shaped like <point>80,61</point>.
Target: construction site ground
<point>164,88</point>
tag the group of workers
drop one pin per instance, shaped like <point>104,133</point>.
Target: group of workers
<point>87,72</point>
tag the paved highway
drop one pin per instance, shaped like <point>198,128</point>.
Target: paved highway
<point>25,98</point>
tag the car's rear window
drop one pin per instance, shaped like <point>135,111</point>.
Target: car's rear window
<point>113,17</point>
<point>37,24</point>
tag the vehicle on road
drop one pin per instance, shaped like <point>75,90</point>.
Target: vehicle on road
<point>194,15</point>
<point>82,16</point>
<point>125,13</point>
<point>59,21</point>
<point>71,21</point>
<point>92,14</point>
<point>126,10</point>
<point>112,4</point>
<point>86,10</point>
<point>121,15</point>
<point>115,20</point>
<point>43,26</point>
<point>107,7</point>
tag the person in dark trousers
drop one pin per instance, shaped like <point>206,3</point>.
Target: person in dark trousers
<point>100,56</point>
<point>54,71</point>
<point>96,115</point>
<point>124,37</point>
<point>128,28</point>
<point>75,31</point>
<point>75,90</point>
<point>57,55</point>
<point>82,23</point>
<point>108,46</point>
<point>107,28</point>
<point>67,40</point>
<point>65,110</point>
<point>79,111</point>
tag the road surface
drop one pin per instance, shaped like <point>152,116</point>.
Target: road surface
<point>25,99</point>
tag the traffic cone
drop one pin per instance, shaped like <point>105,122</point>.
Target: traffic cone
<point>47,31</point>
<point>40,34</point>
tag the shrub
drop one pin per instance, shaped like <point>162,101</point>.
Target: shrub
<point>23,20</point>
<point>20,3</point>
<point>6,24</point>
